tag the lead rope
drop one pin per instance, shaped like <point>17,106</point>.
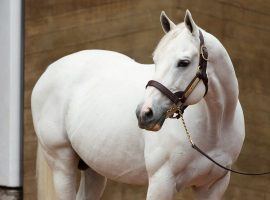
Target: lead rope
<point>194,146</point>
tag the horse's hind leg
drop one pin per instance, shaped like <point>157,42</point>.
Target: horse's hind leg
<point>215,191</point>
<point>92,185</point>
<point>63,173</point>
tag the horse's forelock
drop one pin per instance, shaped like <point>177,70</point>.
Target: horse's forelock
<point>168,37</point>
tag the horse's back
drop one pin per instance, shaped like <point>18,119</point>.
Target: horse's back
<point>67,74</point>
<point>75,66</point>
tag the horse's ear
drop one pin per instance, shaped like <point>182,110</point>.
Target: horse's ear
<point>166,23</point>
<point>189,23</point>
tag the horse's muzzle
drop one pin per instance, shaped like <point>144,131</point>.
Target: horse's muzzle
<point>148,119</point>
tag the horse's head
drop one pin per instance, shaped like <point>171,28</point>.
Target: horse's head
<point>176,61</point>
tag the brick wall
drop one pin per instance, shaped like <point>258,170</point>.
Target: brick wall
<point>55,28</point>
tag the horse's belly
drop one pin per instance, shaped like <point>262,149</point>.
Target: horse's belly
<point>103,128</point>
<point>113,154</point>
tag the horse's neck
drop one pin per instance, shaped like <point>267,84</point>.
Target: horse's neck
<point>222,97</point>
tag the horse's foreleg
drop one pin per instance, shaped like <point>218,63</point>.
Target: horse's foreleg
<point>92,185</point>
<point>162,185</point>
<point>215,191</point>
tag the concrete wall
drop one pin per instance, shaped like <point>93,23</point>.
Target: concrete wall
<point>55,28</point>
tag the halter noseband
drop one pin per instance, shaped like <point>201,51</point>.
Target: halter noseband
<point>180,97</point>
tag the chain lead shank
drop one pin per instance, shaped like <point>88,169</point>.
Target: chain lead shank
<point>194,146</point>
<point>186,130</point>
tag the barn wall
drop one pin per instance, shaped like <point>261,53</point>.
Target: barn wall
<point>55,28</point>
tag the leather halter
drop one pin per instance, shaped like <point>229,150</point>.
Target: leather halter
<point>180,97</point>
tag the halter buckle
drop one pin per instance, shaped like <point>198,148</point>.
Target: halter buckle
<point>204,52</point>
<point>174,111</point>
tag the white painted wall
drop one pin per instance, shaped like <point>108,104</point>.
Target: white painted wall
<point>10,92</point>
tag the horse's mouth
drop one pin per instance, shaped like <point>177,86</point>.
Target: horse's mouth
<point>153,126</point>
<point>156,127</point>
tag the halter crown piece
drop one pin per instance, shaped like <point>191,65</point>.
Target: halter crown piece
<point>180,97</point>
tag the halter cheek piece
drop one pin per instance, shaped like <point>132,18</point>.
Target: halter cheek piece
<point>180,97</point>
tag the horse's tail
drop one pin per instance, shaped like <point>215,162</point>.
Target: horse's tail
<point>44,178</point>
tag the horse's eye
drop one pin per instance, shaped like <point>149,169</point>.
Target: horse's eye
<point>183,63</point>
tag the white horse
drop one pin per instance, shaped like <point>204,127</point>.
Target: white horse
<point>84,106</point>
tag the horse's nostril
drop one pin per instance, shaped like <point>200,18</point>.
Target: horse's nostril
<point>149,113</point>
